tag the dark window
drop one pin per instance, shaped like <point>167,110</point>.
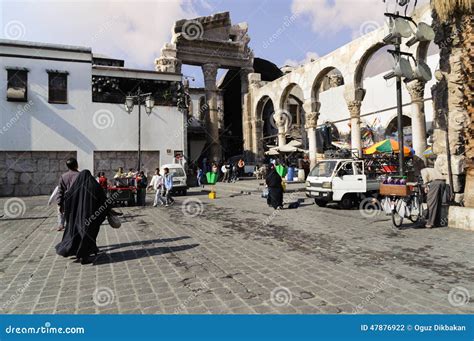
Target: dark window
<point>17,85</point>
<point>57,87</point>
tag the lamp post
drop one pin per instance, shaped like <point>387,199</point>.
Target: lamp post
<point>400,28</point>
<point>139,98</point>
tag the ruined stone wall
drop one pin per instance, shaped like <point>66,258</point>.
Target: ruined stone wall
<point>450,104</point>
<point>31,172</point>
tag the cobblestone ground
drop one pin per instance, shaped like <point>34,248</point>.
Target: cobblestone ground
<point>235,255</point>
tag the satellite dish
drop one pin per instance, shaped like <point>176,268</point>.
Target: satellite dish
<point>424,32</point>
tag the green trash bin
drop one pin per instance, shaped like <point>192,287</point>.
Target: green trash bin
<point>211,178</point>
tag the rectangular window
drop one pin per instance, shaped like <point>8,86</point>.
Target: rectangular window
<point>57,87</point>
<point>17,85</point>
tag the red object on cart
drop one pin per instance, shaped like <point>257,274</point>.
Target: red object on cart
<point>389,168</point>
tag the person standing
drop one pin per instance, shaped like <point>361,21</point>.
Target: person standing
<point>85,208</point>
<point>157,184</point>
<point>241,168</point>
<point>142,183</point>
<point>199,177</point>
<point>438,193</point>
<point>65,182</point>
<point>167,187</point>
<point>102,180</point>
<point>120,173</point>
<point>275,189</point>
<point>225,172</point>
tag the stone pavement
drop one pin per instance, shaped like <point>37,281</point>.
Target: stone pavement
<point>235,255</point>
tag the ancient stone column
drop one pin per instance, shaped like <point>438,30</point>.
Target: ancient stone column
<point>257,142</point>
<point>282,120</point>
<point>418,120</point>
<point>246,112</point>
<point>354,109</point>
<point>244,81</point>
<point>310,126</point>
<point>210,73</point>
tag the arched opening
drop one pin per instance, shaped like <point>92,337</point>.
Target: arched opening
<point>265,110</point>
<point>292,103</point>
<point>391,131</point>
<point>382,60</point>
<point>327,78</point>
<point>327,89</point>
<point>231,88</point>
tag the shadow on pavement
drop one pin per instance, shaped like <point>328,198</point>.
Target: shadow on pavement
<point>121,256</point>
<point>141,242</point>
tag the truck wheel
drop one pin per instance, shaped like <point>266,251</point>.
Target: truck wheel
<point>320,203</point>
<point>347,202</point>
<point>185,192</point>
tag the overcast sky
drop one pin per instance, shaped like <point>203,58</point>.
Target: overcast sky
<point>282,31</point>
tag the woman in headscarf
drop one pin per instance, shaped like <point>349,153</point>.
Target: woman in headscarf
<point>85,208</point>
<point>275,189</point>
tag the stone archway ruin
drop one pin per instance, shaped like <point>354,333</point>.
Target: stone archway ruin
<point>210,42</point>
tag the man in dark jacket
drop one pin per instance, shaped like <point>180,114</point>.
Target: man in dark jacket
<point>65,182</point>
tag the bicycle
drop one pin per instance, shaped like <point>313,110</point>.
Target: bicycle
<point>410,206</point>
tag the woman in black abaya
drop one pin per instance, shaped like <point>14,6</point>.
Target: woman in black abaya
<point>275,189</point>
<point>85,209</point>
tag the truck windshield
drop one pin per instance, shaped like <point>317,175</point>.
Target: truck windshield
<point>177,172</point>
<point>323,169</point>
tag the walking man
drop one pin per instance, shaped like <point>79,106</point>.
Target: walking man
<point>167,187</point>
<point>65,182</point>
<point>157,184</point>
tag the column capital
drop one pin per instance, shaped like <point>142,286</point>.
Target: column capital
<point>354,107</point>
<point>210,74</point>
<point>246,70</point>
<point>311,120</point>
<point>416,89</point>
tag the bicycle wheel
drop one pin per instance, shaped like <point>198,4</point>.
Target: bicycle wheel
<point>397,219</point>
<point>415,209</point>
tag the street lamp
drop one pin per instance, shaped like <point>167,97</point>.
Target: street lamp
<point>139,98</point>
<point>399,27</point>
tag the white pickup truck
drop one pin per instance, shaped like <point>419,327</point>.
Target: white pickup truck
<point>344,181</point>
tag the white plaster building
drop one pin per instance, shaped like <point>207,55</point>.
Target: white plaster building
<point>57,102</point>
